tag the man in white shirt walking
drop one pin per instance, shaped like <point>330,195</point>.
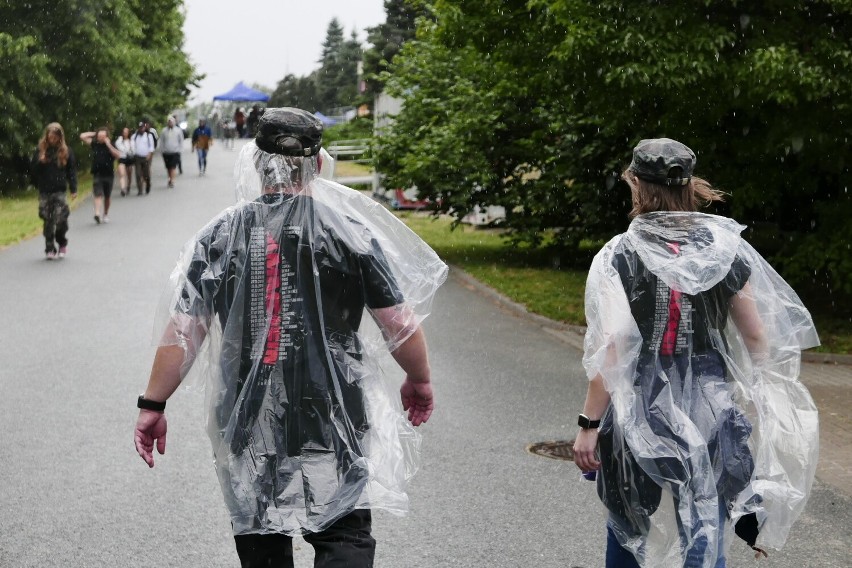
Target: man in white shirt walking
<point>144,142</point>
<point>172,140</point>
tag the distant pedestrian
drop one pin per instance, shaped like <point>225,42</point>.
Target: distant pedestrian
<point>216,121</point>
<point>240,121</point>
<point>104,155</point>
<point>202,139</point>
<point>53,170</point>
<point>172,143</point>
<point>229,131</point>
<point>694,406</point>
<point>253,117</point>
<point>152,131</point>
<point>124,144</point>
<point>144,144</point>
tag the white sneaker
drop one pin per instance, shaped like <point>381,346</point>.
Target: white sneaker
<point>106,219</point>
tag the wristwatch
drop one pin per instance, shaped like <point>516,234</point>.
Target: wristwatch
<point>587,423</point>
<point>146,404</point>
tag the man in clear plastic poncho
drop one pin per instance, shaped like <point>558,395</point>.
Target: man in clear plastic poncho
<point>267,301</point>
<point>693,352</point>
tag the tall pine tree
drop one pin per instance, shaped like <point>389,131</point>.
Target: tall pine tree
<point>387,39</point>
<point>337,76</point>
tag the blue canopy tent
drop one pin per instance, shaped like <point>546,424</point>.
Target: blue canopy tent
<point>242,92</point>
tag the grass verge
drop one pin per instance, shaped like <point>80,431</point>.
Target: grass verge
<point>19,211</point>
<point>525,276</point>
<point>515,272</point>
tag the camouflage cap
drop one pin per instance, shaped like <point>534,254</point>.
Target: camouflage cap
<point>289,132</point>
<point>663,161</point>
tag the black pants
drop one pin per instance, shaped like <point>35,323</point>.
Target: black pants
<point>346,543</point>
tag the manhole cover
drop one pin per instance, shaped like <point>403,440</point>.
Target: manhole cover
<point>558,449</point>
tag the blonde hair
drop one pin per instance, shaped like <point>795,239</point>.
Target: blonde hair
<point>61,147</point>
<point>648,196</point>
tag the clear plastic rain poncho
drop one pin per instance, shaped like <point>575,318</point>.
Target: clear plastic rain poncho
<point>268,301</point>
<point>698,341</point>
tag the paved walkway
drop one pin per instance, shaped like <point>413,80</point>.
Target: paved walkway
<point>831,387</point>
<point>829,382</point>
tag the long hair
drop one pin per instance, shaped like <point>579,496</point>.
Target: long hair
<point>648,196</point>
<point>61,147</point>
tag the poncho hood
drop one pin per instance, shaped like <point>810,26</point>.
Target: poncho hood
<point>690,252</point>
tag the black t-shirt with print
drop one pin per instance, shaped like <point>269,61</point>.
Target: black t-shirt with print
<point>289,292</point>
<point>649,303</point>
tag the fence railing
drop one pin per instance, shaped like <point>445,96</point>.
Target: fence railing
<point>355,151</point>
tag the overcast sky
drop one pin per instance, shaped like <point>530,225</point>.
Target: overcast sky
<point>260,41</point>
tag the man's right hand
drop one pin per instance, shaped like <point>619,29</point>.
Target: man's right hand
<point>417,400</point>
<point>150,426</point>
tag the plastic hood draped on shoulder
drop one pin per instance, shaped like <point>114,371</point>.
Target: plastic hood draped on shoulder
<point>706,249</point>
<point>268,300</point>
<point>698,342</point>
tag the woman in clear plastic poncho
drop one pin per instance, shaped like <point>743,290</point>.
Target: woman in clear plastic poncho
<point>267,300</point>
<point>693,351</point>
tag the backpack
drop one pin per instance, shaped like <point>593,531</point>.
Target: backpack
<point>153,134</point>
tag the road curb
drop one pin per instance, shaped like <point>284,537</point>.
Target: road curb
<point>573,334</point>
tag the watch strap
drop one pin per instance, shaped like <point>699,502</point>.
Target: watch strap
<point>587,423</point>
<point>146,404</point>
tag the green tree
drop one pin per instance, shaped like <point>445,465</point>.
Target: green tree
<point>336,79</point>
<point>86,63</point>
<point>299,92</point>
<point>546,98</point>
<point>387,39</point>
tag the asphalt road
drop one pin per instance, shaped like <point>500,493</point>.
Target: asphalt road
<point>75,350</point>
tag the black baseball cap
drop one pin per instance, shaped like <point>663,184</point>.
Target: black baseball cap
<point>289,132</point>
<point>663,161</point>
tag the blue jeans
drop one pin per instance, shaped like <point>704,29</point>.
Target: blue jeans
<point>202,158</point>
<point>619,557</point>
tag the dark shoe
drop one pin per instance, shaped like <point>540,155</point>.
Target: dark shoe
<point>98,219</point>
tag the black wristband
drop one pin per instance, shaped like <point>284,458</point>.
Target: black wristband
<point>146,404</point>
<point>586,423</point>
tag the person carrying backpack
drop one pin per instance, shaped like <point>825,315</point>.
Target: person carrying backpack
<point>145,143</point>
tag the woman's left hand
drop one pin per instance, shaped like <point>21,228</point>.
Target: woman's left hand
<point>584,450</point>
